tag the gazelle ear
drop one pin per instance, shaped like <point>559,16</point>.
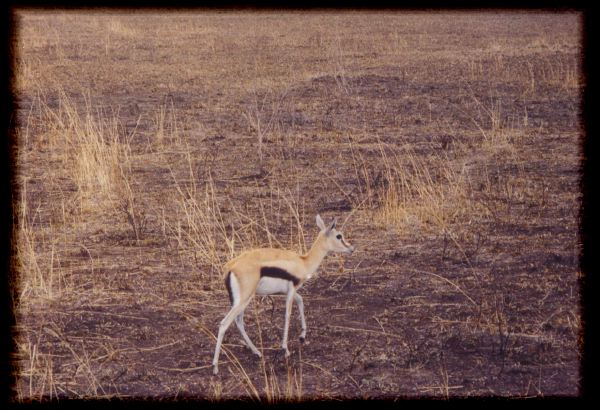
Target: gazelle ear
<point>332,226</point>
<point>320,222</point>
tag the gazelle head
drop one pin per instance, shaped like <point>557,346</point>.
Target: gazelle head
<point>332,238</point>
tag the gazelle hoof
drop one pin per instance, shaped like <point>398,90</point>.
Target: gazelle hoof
<point>258,354</point>
<point>303,340</point>
<point>215,370</point>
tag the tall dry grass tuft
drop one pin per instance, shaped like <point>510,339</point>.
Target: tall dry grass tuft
<point>39,374</point>
<point>40,276</point>
<point>420,192</point>
<point>198,226</point>
<point>93,178</point>
<point>500,131</point>
<point>97,153</point>
<point>96,149</point>
<point>166,125</point>
<point>262,115</point>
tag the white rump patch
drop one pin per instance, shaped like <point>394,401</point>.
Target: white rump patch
<point>235,288</point>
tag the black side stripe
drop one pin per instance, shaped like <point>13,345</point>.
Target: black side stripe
<point>279,273</point>
<point>228,284</point>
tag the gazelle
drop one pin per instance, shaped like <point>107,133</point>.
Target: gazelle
<point>269,271</point>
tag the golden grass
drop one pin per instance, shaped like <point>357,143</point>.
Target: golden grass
<point>423,197</point>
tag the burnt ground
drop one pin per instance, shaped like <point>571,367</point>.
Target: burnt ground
<point>486,303</point>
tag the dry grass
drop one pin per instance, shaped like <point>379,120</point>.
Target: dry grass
<point>151,149</point>
<point>424,193</point>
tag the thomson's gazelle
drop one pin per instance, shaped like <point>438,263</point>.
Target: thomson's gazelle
<point>268,271</point>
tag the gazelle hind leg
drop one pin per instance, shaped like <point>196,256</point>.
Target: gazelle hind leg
<point>300,304</point>
<point>239,321</point>
<point>225,323</point>
<point>288,310</point>
<point>239,302</point>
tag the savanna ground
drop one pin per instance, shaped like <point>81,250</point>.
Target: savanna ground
<point>152,147</point>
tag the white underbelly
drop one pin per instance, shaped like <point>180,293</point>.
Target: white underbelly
<point>269,286</point>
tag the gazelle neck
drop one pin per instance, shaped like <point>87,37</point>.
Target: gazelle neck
<point>315,255</point>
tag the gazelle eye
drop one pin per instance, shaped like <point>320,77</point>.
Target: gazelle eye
<point>339,236</point>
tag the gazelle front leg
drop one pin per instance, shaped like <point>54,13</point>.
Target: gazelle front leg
<point>300,304</point>
<point>288,311</point>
